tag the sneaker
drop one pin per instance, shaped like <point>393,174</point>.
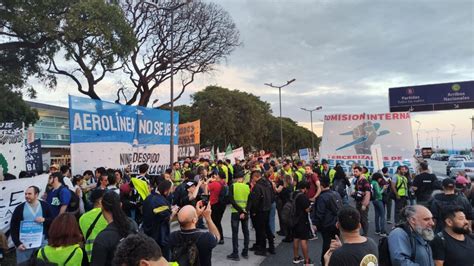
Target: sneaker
<point>383,234</point>
<point>233,257</point>
<point>260,253</point>
<point>221,242</point>
<point>245,254</point>
<point>253,248</point>
<point>297,260</point>
<point>271,251</point>
<point>309,262</point>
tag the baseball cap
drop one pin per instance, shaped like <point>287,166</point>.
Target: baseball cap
<point>324,161</point>
<point>54,166</point>
<point>448,182</point>
<point>190,184</point>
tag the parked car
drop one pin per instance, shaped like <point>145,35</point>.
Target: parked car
<point>466,166</point>
<point>457,156</point>
<point>452,163</point>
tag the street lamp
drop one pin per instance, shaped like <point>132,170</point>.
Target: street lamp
<point>172,9</point>
<point>437,139</point>
<point>311,117</point>
<point>418,134</point>
<point>452,137</point>
<point>281,120</point>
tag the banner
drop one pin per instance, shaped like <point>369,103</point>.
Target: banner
<point>189,139</point>
<point>347,139</point>
<point>13,194</point>
<point>12,148</point>
<point>34,158</point>
<point>116,136</point>
<point>238,154</point>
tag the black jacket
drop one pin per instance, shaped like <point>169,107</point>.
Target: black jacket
<point>17,217</point>
<point>324,215</point>
<point>260,198</point>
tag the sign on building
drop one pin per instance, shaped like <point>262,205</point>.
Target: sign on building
<point>12,148</point>
<point>348,138</point>
<point>116,136</point>
<point>189,139</point>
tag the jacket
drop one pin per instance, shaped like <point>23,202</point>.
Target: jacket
<point>17,217</point>
<point>400,249</point>
<point>327,206</point>
<point>260,198</point>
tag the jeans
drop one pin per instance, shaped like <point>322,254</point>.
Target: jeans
<point>388,209</point>
<point>327,234</point>
<point>364,218</point>
<point>216,216</point>
<point>272,218</point>
<point>399,205</point>
<point>24,256</point>
<point>379,216</point>
<point>262,231</point>
<point>234,222</point>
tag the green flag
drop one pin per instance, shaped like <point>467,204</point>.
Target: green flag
<point>228,151</point>
<point>213,156</point>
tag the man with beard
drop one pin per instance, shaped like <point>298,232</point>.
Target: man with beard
<point>408,243</point>
<point>453,245</point>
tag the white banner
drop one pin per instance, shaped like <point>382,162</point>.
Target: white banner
<point>238,153</point>
<point>13,194</point>
<point>347,139</point>
<point>12,148</point>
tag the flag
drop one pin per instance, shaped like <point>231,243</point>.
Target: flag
<point>213,156</point>
<point>228,151</point>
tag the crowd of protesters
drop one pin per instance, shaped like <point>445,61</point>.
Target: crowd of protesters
<point>113,217</point>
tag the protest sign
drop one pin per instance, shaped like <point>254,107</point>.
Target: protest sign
<point>34,158</point>
<point>12,148</point>
<point>31,234</point>
<point>116,136</point>
<point>304,154</point>
<point>347,139</point>
<point>13,194</point>
<point>189,139</point>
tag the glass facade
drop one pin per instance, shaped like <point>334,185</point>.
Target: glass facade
<point>52,130</point>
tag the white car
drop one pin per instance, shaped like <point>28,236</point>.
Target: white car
<point>466,166</point>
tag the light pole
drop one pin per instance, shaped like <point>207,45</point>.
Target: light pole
<point>281,120</point>
<point>311,117</point>
<point>172,9</point>
<point>437,139</point>
<point>418,134</point>
<point>452,137</point>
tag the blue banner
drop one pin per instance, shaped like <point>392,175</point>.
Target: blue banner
<point>445,96</point>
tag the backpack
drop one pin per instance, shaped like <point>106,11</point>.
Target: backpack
<point>187,253</point>
<point>224,194</point>
<point>384,253</point>
<point>288,211</point>
<point>73,205</point>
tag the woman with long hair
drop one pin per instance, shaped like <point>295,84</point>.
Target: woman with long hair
<point>64,239</point>
<point>119,226</point>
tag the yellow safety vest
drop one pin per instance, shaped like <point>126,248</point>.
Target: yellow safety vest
<point>85,222</point>
<point>141,187</point>
<point>241,193</point>
<point>402,185</point>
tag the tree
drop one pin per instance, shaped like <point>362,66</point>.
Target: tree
<point>13,108</point>
<point>204,34</point>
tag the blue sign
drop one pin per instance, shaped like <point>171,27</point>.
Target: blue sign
<point>31,234</point>
<point>434,97</point>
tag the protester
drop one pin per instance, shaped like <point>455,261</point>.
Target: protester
<point>424,185</point>
<point>31,210</point>
<point>260,201</point>
<point>176,174</point>
<point>59,196</point>
<point>285,195</point>
<point>327,171</point>
<point>119,226</point>
<point>103,182</point>
<point>78,181</point>
<point>188,239</point>
<point>138,250</point>
<point>389,195</point>
<point>301,231</point>
<point>92,222</point>
<point>217,187</point>
<point>454,245</point>
<point>64,240</point>
<point>238,195</point>
<point>408,242</point>
<point>362,198</point>
<point>157,215</point>
<point>113,185</point>
<point>379,186</point>
<point>356,249</point>
<point>400,190</point>
<point>143,173</point>
<point>449,197</point>
<point>324,216</point>
<point>341,182</point>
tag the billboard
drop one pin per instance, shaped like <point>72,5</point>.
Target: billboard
<point>348,139</point>
<point>12,148</point>
<point>189,139</point>
<point>115,136</point>
<point>434,97</point>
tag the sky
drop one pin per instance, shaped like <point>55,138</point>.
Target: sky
<point>344,55</point>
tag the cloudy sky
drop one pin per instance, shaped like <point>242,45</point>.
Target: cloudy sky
<point>344,56</point>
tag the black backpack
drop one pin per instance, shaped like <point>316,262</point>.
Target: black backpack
<point>187,253</point>
<point>224,194</point>
<point>384,253</point>
<point>73,206</point>
<point>288,211</point>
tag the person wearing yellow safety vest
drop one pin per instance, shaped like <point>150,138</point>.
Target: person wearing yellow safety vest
<point>231,169</point>
<point>157,214</point>
<point>176,174</point>
<point>225,169</point>
<point>286,170</point>
<point>400,190</point>
<point>238,195</point>
<point>300,172</point>
<point>327,172</point>
<point>139,190</point>
<point>92,222</point>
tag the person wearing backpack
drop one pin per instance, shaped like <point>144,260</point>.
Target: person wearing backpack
<point>324,215</point>
<point>92,222</point>
<point>191,246</point>
<point>301,228</point>
<point>379,186</point>
<point>218,189</point>
<point>408,243</point>
<point>63,243</point>
<point>59,196</point>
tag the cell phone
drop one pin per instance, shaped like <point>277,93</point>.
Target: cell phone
<point>205,199</point>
